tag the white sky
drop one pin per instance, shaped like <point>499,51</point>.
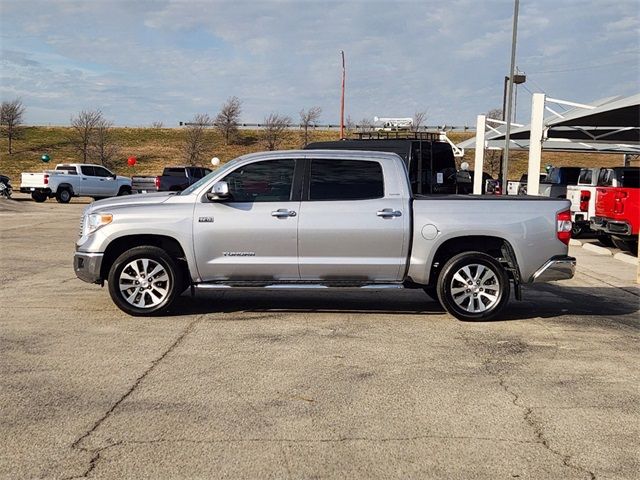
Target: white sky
<point>148,61</point>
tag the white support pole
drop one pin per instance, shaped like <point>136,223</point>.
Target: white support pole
<point>535,143</point>
<point>479,158</point>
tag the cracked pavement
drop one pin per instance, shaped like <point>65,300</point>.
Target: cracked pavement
<point>309,384</point>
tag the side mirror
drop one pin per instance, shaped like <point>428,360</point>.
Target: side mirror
<point>220,191</point>
<point>114,176</point>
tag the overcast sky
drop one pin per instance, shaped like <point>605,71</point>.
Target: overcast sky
<point>145,61</point>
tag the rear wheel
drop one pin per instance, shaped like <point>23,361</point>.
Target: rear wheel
<point>63,195</point>
<point>39,196</point>
<point>473,286</point>
<point>605,240</point>
<point>144,280</point>
<point>625,245</point>
<point>124,191</point>
<point>577,230</point>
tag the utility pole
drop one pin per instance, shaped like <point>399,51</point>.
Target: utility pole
<point>505,166</point>
<point>342,99</point>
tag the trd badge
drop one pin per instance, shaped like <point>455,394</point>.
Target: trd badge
<point>205,219</point>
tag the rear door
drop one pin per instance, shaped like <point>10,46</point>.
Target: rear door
<point>89,184</point>
<point>350,228</point>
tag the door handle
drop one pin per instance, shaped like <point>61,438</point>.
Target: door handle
<point>389,213</point>
<point>283,213</point>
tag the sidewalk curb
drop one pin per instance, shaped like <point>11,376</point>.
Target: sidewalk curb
<point>624,257</point>
<point>575,243</point>
<point>596,249</point>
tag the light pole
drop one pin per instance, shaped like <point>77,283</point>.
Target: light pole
<point>505,166</point>
<point>342,99</point>
<point>518,78</point>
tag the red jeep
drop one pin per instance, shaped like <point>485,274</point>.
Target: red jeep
<point>618,206</point>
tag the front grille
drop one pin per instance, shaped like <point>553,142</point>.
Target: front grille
<point>82,225</point>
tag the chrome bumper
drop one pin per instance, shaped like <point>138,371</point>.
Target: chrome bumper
<point>556,268</point>
<point>87,266</point>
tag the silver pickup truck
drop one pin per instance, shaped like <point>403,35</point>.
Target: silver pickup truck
<point>322,219</point>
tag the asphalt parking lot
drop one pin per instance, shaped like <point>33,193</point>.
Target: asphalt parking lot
<point>309,385</point>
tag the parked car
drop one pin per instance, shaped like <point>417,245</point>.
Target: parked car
<point>583,200</point>
<point>144,183</point>
<point>74,180</point>
<point>558,178</point>
<point>520,187</point>
<point>617,211</point>
<point>6,189</point>
<point>319,219</point>
<point>176,179</point>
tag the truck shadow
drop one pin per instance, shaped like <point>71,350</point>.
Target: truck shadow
<point>540,301</point>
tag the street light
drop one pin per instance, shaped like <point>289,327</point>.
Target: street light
<point>518,78</point>
<point>512,73</point>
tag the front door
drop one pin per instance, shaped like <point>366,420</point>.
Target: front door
<point>350,229</point>
<point>251,236</point>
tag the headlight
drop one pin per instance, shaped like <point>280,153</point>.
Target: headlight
<point>95,221</point>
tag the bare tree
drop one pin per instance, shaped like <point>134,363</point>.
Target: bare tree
<point>275,129</point>
<point>309,119</point>
<point>157,125</point>
<point>228,119</point>
<point>11,114</point>
<point>83,128</point>
<point>366,125</point>
<point>492,157</point>
<point>349,126</point>
<point>418,120</point>
<point>102,147</point>
<point>196,142</point>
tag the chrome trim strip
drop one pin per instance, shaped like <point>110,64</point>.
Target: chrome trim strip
<point>556,268</point>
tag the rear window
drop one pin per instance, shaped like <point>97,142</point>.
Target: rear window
<point>67,168</point>
<point>345,180</point>
<point>174,172</point>
<point>631,178</point>
<point>586,176</point>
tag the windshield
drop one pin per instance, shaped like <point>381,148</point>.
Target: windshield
<point>203,180</point>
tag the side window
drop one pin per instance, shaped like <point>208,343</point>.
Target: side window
<point>267,181</point>
<point>345,180</point>
<point>87,170</point>
<point>101,172</point>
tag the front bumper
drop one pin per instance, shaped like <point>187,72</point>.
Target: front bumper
<point>87,266</point>
<point>561,267</point>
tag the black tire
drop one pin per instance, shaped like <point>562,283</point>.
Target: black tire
<point>63,195</point>
<point>577,230</point>
<point>137,299</point>
<point>486,296</point>
<point>625,245</point>
<point>124,191</point>
<point>605,240</point>
<point>39,197</point>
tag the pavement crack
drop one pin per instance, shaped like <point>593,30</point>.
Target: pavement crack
<point>96,452</point>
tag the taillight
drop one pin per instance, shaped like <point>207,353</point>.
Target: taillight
<point>585,196</point>
<point>157,182</point>
<point>46,179</point>
<point>618,205</point>
<point>563,228</point>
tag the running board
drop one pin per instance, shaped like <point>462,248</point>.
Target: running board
<point>296,286</point>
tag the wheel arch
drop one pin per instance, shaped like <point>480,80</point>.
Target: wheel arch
<point>65,186</point>
<point>497,247</point>
<point>120,245</point>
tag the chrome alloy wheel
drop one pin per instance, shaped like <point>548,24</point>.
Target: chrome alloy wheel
<point>144,283</point>
<point>475,288</point>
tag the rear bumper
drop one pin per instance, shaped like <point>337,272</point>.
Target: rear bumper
<point>87,266</point>
<point>613,227</point>
<point>35,189</point>
<point>561,267</point>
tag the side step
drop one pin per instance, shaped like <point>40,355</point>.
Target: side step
<point>296,286</point>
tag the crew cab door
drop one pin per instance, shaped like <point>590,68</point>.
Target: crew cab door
<point>352,225</point>
<point>89,183</point>
<point>252,235</point>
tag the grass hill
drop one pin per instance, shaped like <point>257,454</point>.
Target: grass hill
<point>156,148</point>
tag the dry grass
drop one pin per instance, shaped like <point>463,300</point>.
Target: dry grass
<point>156,148</point>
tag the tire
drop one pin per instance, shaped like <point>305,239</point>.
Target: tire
<point>605,240</point>
<point>124,191</point>
<point>576,230</point>
<point>625,245</point>
<point>485,297</point>
<point>145,297</point>
<point>63,195</point>
<point>39,197</point>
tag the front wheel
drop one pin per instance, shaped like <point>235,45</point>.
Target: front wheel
<point>144,280</point>
<point>473,286</point>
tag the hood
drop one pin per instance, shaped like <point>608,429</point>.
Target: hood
<point>131,200</point>
<point>120,178</point>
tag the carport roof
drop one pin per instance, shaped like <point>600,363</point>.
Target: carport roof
<point>610,125</point>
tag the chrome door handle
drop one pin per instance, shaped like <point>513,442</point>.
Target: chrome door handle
<point>283,213</point>
<point>389,213</point>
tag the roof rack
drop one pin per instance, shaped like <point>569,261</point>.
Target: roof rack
<point>398,134</point>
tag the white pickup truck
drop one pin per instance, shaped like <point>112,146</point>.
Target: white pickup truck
<point>74,180</point>
<point>583,199</point>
